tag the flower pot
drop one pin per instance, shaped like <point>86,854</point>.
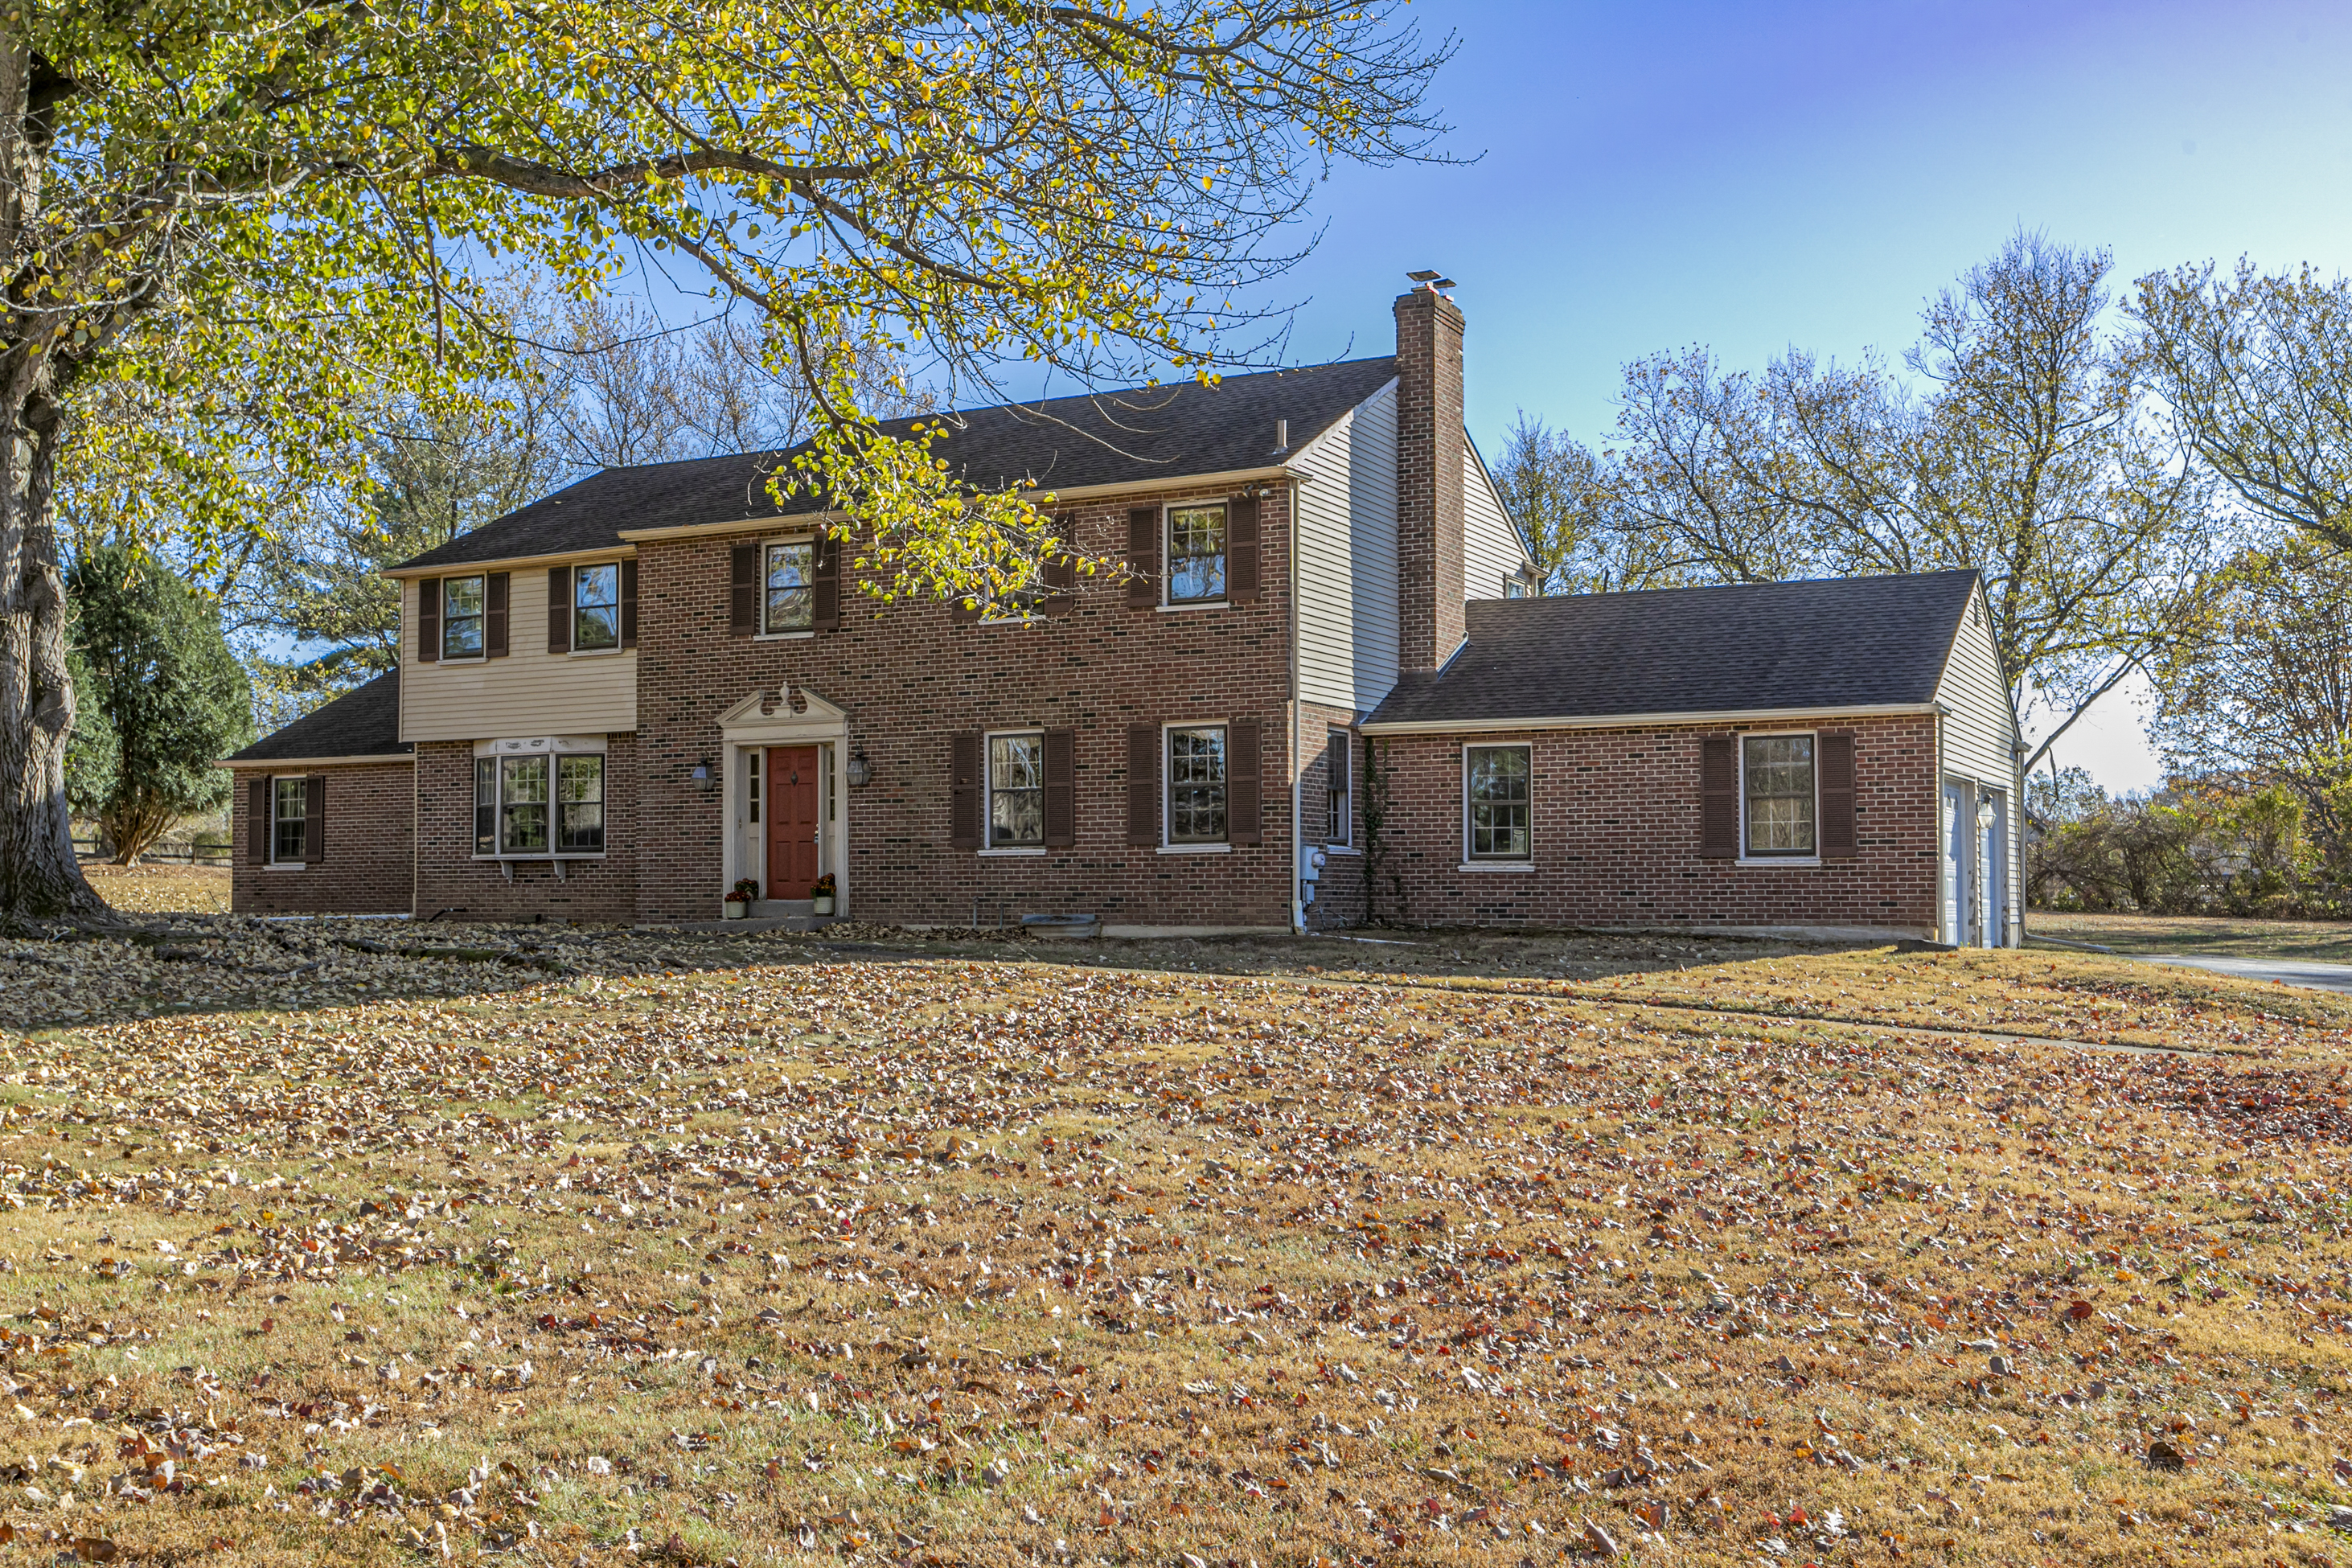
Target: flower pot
<point>735,908</point>
<point>823,906</point>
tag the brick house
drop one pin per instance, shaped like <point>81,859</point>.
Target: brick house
<point>621,699</point>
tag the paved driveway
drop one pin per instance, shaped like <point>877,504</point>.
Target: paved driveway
<point>2287,971</point>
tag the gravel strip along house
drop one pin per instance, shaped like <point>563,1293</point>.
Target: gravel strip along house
<point>1319,695</point>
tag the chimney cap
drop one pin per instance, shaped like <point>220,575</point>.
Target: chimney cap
<point>1431,282</point>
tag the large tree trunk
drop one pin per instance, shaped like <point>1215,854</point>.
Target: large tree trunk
<point>39,878</point>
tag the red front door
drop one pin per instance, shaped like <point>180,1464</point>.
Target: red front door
<point>792,820</point>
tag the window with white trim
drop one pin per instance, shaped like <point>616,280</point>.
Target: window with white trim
<point>464,602</point>
<point>289,811</point>
<point>1497,803</point>
<point>595,607</point>
<point>1016,789</point>
<point>1778,805</point>
<point>1339,806</point>
<point>788,590</point>
<point>538,806</point>
<point>1196,553</point>
<point>1196,784</point>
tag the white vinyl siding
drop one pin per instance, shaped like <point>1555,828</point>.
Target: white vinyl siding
<point>1347,558</point>
<point>1977,727</point>
<point>1491,554</point>
<point>529,692</point>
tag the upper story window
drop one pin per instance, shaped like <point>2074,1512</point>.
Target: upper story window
<point>463,604</point>
<point>1497,802</point>
<point>788,587</point>
<point>1777,784</point>
<point>596,606</point>
<point>1197,540</point>
<point>1017,791</point>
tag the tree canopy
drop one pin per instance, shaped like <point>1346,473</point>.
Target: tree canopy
<point>168,699</point>
<point>257,219</point>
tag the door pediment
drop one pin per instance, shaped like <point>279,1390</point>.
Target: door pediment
<point>781,715</point>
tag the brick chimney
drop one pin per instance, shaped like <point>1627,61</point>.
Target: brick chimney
<point>1431,576</point>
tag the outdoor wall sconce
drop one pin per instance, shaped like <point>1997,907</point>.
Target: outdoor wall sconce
<point>859,769</point>
<point>701,770</point>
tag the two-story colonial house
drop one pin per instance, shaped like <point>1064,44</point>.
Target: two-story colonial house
<point>617,702</point>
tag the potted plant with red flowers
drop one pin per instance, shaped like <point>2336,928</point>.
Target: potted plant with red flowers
<point>740,898</point>
<point>822,894</point>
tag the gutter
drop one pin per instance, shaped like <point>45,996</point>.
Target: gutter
<point>1641,720</point>
<point>502,562</point>
<point>235,762</point>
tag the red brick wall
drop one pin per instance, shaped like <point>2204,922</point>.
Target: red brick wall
<point>449,878</point>
<point>910,678</point>
<point>1431,565</point>
<point>1339,894</point>
<point>1616,838</point>
<point>368,866</point>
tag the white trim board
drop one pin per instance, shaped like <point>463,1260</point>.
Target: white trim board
<point>1642,720</point>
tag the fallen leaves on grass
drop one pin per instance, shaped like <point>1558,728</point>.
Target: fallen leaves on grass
<point>946,1259</point>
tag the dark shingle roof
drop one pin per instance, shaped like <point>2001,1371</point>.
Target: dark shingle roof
<point>1063,443</point>
<point>362,723</point>
<point>1856,642</point>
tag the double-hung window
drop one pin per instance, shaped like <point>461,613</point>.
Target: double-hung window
<point>462,603</point>
<point>1339,806</point>
<point>1196,784</point>
<point>596,607</point>
<point>1017,791</point>
<point>1196,553</point>
<point>788,593</point>
<point>1776,787</point>
<point>539,806</point>
<point>1497,802</point>
<point>289,811</point>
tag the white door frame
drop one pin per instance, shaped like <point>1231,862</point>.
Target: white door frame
<point>786,716</point>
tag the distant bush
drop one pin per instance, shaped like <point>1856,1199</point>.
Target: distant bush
<point>2209,846</point>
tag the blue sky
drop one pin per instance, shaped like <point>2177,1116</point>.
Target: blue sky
<point>1753,176</point>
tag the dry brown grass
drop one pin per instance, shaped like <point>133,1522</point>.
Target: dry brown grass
<point>2200,935</point>
<point>766,1252</point>
<point>158,889</point>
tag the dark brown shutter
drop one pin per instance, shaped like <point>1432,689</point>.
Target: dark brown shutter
<point>1061,788</point>
<point>1143,563</point>
<point>1240,549</point>
<point>1242,792</point>
<point>314,821</point>
<point>1833,755</point>
<point>256,848</point>
<point>1143,783</point>
<point>1335,763</point>
<point>963,791</point>
<point>743,590</point>
<point>825,590</point>
<point>963,608</point>
<point>1060,581</point>
<point>494,615</point>
<point>629,604</point>
<point>1718,792</point>
<point>559,609</point>
<point>428,619</point>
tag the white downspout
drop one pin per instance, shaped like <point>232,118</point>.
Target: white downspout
<point>1297,719</point>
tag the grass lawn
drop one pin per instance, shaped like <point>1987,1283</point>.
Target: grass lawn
<point>154,889</point>
<point>553,1246</point>
<point>2189,933</point>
